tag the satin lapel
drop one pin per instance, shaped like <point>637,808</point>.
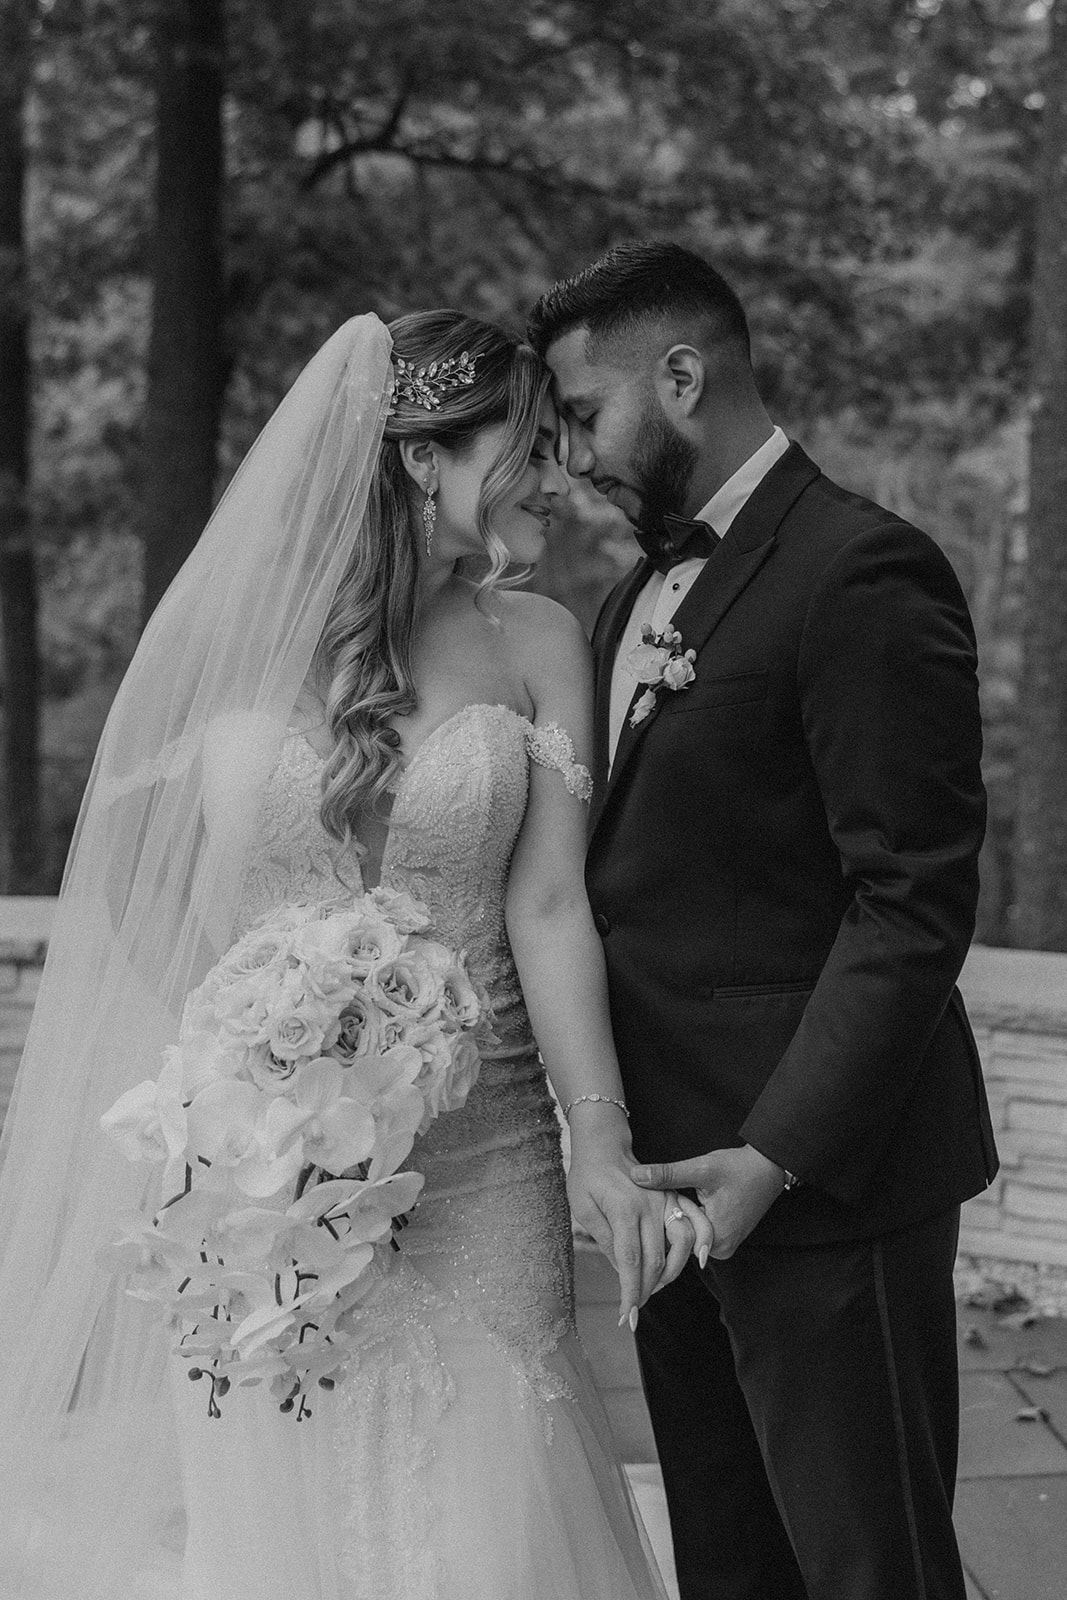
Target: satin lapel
<point>745,548</point>
<point>727,572</point>
<point>605,643</point>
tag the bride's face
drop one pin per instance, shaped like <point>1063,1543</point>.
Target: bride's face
<point>521,517</point>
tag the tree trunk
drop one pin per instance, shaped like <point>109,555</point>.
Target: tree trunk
<point>1041,916</point>
<point>186,363</point>
<point>20,848</point>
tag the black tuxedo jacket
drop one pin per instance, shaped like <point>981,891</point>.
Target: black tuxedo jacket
<point>783,865</point>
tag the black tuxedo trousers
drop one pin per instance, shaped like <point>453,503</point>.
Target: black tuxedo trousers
<point>783,869</point>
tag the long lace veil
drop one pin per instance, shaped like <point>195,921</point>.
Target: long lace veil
<point>87,1453</point>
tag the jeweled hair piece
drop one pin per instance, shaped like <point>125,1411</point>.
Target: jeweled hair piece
<point>425,385</point>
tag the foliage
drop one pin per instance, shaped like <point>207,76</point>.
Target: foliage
<point>863,175</point>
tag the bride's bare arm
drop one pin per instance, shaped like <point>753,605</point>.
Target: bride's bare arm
<point>560,960</point>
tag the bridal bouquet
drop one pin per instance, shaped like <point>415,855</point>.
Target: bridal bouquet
<point>307,1062</point>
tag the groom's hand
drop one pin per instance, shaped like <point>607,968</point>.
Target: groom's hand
<point>735,1188</point>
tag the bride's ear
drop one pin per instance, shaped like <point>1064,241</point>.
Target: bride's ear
<point>421,462</point>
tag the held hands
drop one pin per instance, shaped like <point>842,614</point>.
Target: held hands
<point>735,1188</point>
<point>628,1223</point>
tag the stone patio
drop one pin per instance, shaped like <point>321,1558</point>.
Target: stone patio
<point>1011,1504</point>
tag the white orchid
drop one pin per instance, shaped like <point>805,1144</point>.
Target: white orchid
<point>329,1129</point>
<point>307,1063</point>
<point>148,1122</point>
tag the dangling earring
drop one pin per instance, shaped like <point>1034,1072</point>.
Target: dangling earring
<point>429,519</point>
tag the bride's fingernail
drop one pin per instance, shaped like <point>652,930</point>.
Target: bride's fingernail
<point>702,1256</point>
<point>622,1318</point>
<point>633,1320</point>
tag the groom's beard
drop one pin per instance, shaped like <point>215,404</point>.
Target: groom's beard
<point>664,463</point>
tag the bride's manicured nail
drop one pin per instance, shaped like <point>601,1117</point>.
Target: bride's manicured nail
<point>633,1320</point>
<point>702,1256</point>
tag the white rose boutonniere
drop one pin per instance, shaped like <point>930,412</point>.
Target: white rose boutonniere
<point>660,662</point>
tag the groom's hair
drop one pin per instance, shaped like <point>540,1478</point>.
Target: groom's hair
<point>635,286</point>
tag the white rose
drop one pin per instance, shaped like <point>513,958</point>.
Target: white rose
<point>205,1058</point>
<point>455,1084</point>
<point>407,914</point>
<point>406,987</point>
<point>459,1003</point>
<point>678,672</point>
<point>297,1035</point>
<point>360,938</point>
<point>267,1071</point>
<point>256,951</point>
<point>643,707</point>
<point>358,1033</point>
<point>646,662</point>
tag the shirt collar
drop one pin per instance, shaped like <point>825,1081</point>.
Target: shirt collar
<point>726,502</point>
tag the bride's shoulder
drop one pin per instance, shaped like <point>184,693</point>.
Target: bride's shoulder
<point>538,623</point>
<point>547,644</point>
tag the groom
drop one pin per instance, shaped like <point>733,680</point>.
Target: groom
<point>783,871</point>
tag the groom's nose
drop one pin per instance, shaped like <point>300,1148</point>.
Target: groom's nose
<point>580,457</point>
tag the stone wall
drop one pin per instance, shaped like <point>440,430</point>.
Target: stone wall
<point>24,928</point>
<point>1017,1001</point>
<point>1018,1004</point>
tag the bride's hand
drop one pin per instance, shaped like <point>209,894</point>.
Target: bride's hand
<point>688,1232</point>
<point>612,1208</point>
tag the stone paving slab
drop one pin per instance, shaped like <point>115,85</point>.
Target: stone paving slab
<point>1011,1507</point>
<point>1047,1391</point>
<point>994,1443</point>
<point>1010,1341</point>
<point>1014,1536</point>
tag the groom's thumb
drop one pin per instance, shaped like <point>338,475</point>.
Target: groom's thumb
<point>671,1175</point>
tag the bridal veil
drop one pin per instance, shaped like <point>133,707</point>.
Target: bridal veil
<point>88,1461</point>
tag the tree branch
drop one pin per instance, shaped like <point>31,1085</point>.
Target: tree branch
<point>548,180</point>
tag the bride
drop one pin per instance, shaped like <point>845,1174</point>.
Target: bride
<point>340,690</point>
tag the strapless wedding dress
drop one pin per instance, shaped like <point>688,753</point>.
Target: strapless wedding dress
<point>467,1456</point>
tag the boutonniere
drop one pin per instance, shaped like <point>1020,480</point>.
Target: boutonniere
<point>661,663</point>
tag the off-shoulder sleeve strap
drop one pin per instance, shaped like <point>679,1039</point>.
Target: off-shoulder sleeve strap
<point>552,746</point>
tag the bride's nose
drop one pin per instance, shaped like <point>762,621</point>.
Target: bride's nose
<point>554,480</point>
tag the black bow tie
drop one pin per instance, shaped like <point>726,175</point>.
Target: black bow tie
<point>679,539</point>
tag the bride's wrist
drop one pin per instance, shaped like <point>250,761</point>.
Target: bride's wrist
<point>595,1105</point>
<point>598,1122</point>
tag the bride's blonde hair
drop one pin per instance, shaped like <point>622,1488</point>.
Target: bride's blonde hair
<point>363,659</point>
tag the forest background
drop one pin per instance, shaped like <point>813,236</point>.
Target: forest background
<point>206,188</point>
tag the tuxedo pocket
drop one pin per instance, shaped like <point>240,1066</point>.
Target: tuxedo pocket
<point>709,694</point>
<point>745,991</point>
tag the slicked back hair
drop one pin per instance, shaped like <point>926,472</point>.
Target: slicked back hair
<point>635,286</point>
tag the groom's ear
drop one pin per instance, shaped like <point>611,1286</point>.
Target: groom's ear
<point>680,378</point>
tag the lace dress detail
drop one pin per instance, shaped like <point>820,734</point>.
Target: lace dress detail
<point>470,1402</point>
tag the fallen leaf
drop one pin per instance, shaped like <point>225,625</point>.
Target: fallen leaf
<point>1009,1301</point>
<point>1032,1414</point>
<point>1039,1369</point>
<point>1019,1319</point>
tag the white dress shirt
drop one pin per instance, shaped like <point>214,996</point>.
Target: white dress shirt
<point>664,592</point>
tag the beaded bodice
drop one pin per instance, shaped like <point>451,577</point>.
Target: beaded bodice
<point>492,1228</point>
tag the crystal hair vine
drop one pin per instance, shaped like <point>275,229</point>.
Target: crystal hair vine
<point>424,386</point>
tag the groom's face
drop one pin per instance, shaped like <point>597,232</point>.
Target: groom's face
<point>618,435</point>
